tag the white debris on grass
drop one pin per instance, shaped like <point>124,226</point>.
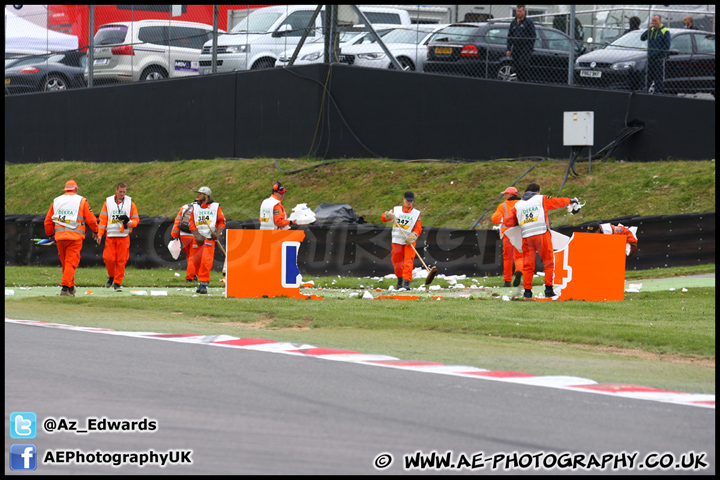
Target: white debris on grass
<point>505,298</point>
<point>354,294</point>
<point>672,289</point>
<point>684,290</point>
<point>158,293</point>
<point>9,291</point>
<point>368,296</point>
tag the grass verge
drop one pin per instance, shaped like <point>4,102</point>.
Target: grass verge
<point>661,339</point>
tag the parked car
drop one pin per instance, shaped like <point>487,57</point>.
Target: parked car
<point>267,33</point>
<point>147,50</point>
<point>479,50</point>
<point>690,67</point>
<point>408,46</point>
<point>314,51</point>
<point>52,72</point>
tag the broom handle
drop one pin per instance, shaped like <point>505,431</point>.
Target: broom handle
<point>413,247</point>
<point>220,243</point>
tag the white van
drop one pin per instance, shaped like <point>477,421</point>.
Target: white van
<point>262,37</point>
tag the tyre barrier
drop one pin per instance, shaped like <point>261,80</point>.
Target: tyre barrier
<point>341,248</point>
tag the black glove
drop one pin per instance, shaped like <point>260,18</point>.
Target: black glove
<point>125,219</point>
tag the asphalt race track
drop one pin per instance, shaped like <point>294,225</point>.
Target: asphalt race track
<point>253,412</point>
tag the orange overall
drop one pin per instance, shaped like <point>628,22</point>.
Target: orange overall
<point>510,253</point>
<point>403,255</point>
<point>117,248</point>
<point>69,240</point>
<point>205,254</point>
<point>189,245</point>
<point>538,244</point>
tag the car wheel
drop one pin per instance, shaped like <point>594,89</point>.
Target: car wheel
<point>405,63</point>
<point>153,73</point>
<point>54,82</point>
<point>263,63</point>
<point>507,73</point>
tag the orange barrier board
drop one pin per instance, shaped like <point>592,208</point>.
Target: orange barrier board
<point>591,267</point>
<point>263,263</point>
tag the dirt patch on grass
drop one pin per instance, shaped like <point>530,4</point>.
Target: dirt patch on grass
<point>264,323</point>
<point>633,352</point>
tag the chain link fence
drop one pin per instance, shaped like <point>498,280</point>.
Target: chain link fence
<point>50,47</point>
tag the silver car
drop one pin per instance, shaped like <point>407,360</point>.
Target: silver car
<point>147,50</point>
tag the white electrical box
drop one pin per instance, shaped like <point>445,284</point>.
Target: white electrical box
<point>578,129</point>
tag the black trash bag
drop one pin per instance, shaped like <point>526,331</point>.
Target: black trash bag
<point>336,213</point>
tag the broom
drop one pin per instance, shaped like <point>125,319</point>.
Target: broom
<point>432,272</point>
<point>218,242</point>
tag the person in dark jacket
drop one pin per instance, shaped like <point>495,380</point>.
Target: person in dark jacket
<point>688,22</point>
<point>521,43</point>
<point>658,38</point>
<point>634,23</point>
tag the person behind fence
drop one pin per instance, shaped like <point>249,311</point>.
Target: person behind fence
<point>181,229</point>
<point>688,22</point>
<point>659,41</point>
<point>634,23</point>
<point>407,227</point>
<point>66,221</point>
<point>531,213</point>
<point>272,212</point>
<point>510,253</point>
<point>521,43</point>
<point>208,221</point>
<point>118,216</point>
<point>609,229</point>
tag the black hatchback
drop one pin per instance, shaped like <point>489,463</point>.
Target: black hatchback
<point>622,65</point>
<point>479,50</point>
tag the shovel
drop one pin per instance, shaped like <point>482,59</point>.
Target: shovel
<point>431,271</point>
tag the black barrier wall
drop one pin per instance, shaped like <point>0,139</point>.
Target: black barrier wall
<point>364,250</point>
<point>282,112</point>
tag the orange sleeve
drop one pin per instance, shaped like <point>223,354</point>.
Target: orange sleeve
<point>511,220</point>
<point>417,229</point>
<point>627,232</point>
<point>497,217</point>
<point>49,224</point>
<point>279,216</point>
<point>88,215</point>
<point>134,216</point>
<point>102,219</point>
<point>550,203</point>
<point>175,232</point>
<point>221,219</point>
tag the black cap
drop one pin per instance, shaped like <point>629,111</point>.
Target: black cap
<point>409,196</point>
<point>593,227</point>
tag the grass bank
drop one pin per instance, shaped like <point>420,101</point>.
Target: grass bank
<point>450,195</point>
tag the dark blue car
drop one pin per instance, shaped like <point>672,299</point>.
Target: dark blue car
<point>52,72</point>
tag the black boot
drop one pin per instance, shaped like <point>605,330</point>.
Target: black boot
<point>518,278</point>
<point>399,284</point>
<point>507,284</point>
<point>109,282</point>
<point>549,291</point>
<point>528,293</point>
<point>406,284</point>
